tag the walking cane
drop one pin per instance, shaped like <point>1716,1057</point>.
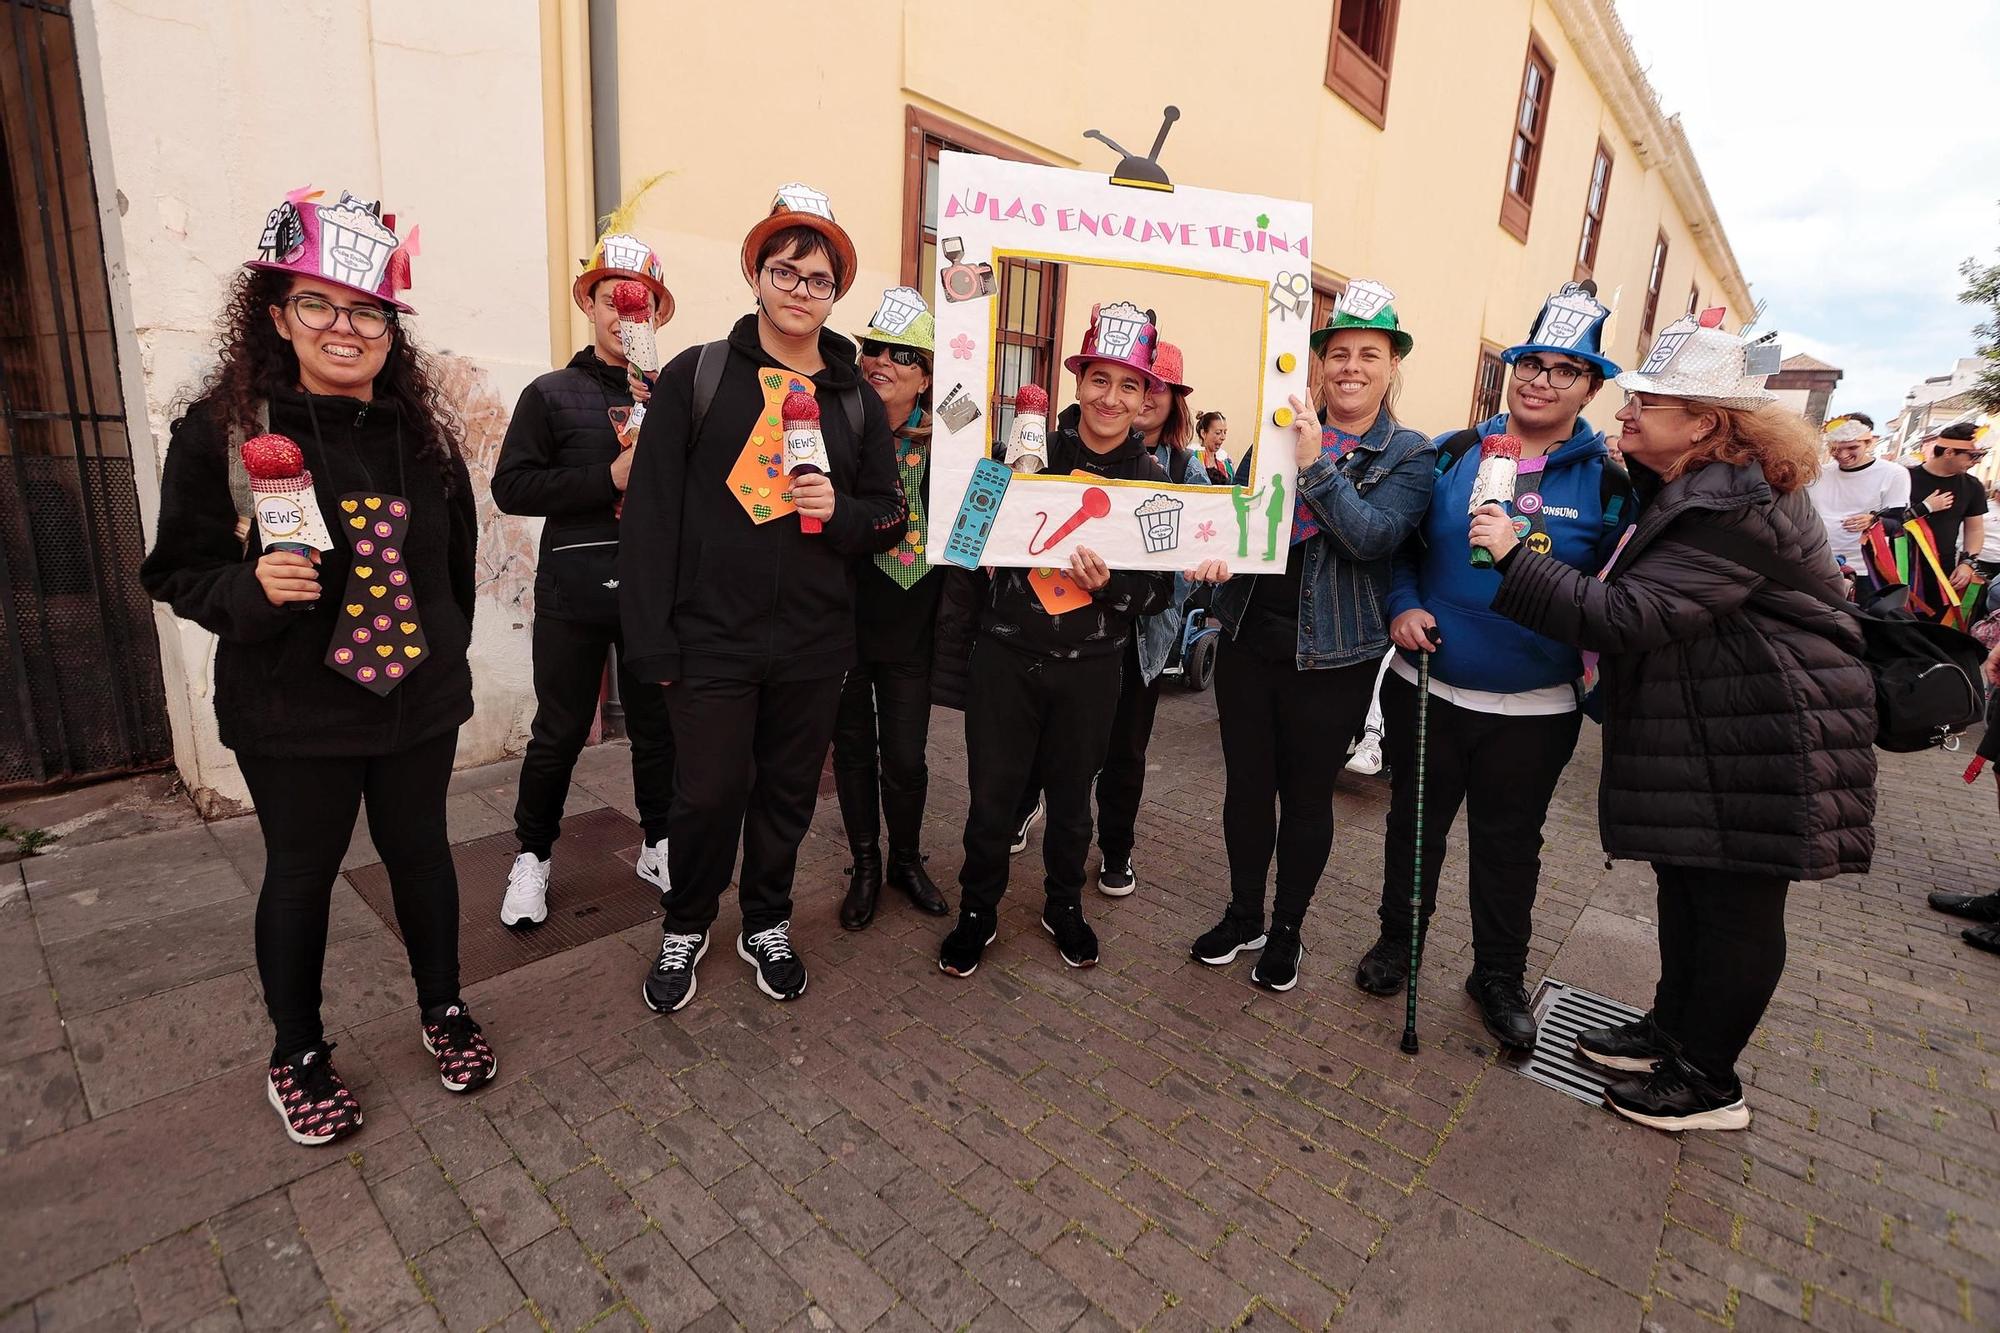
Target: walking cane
<point>1417,875</point>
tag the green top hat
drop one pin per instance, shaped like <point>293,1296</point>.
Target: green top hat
<point>1365,305</point>
<point>904,320</point>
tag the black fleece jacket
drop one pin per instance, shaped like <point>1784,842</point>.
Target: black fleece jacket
<point>274,695</point>
<point>705,592</point>
<point>1013,615</point>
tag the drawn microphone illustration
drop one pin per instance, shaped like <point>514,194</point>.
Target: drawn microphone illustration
<point>1028,437</point>
<point>1499,459</point>
<point>1096,504</point>
<point>281,493</point>
<point>805,447</point>
<point>635,335</point>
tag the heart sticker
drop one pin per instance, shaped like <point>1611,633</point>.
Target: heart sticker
<point>349,505</point>
<point>377,590</point>
<point>363,571</point>
<point>407,626</point>
<point>354,608</point>
<point>411,650</point>
<point>384,649</point>
<point>373,502</point>
<point>356,521</point>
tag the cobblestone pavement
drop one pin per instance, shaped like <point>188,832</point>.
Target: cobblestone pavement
<point>1150,1143</point>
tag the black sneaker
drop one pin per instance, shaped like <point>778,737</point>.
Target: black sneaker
<point>1075,940</point>
<point>1981,907</point>
<point>1985,938</point>
<point>1116,880</point>
<point>781,974</point>
<point>1634,1047</point>
<point>311,1099</point>
<point>961,950</point>
<point>1020,843</point>
<point>670,984</point>
<point>1385,968</point>
<point>464,1059</point>
<point>1678,1096</point>
<point>1278,966</point>
<point>1227,938</point>
<point>1503,1007</point>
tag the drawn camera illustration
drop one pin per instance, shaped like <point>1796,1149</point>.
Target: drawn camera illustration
<point>961,281</point>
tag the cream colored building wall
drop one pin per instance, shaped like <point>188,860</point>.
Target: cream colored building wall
<point>203,114</point>
<point>1415,204</point>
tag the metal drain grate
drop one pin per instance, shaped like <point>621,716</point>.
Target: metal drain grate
<point>592,892</point>
<point>1561,1011</point>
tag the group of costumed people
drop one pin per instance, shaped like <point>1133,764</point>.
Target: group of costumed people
<point>748,525</point>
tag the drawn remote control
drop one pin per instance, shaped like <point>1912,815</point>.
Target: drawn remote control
<point>976,514</point>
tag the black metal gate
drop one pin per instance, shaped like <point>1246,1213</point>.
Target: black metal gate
<point>80,686</point>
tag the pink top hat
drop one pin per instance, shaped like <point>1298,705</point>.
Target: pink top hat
<point>1123,333</point>
<point>351,244</point>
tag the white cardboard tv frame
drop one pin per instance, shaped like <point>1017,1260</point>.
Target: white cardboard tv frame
<point>992,210</point>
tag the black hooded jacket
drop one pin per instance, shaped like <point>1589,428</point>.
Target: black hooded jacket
<point>556,464</point>
<point>1012,614</point>
<point>274,695</point>
<point>704,591</point>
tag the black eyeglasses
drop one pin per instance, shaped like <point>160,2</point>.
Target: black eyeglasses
<point>788,280</point>
<point>902,356</point>
<point>319,314</point>
<point>1561,374</point>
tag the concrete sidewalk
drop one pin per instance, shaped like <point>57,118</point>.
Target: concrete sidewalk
<point>1149,1143</point>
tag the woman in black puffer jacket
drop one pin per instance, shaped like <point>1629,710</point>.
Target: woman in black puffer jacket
<point>1738,723</point>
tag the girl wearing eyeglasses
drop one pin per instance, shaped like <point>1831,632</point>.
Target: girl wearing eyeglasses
<point>340,673</point>
<point>1505,702</point>
<point>885,705</point>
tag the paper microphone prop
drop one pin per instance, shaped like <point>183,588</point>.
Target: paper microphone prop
<point>805,447</point>
<point>635,336</point>
<point>1028,437</point>
<point>1499,457</point>
<point>281,493</point>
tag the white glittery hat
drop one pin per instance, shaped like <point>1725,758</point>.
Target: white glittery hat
<point>1693,358</point>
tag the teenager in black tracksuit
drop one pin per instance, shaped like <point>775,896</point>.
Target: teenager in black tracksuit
<point>1040,702</point>
<point>562,459</point>
<point>296,642</point>
<point>750,625</point>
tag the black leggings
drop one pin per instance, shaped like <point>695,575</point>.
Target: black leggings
<point>306,808</point>
<point>1284,741</point>
<point>1722,950</point>
<point>878,752</point>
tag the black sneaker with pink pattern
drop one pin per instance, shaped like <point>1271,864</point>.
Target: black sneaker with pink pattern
<point>465,1061</point>
<point>310,1097</point>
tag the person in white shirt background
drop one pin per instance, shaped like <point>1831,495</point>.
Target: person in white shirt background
<point>1855,488</point>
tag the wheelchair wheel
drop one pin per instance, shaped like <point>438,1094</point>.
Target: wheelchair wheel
<point>1200,667</point>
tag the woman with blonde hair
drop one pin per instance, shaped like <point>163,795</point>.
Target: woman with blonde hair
<point>1738,722</point>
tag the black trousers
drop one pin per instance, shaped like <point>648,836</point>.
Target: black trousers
<point>1121,782</point>
<point>879,735</point>
<point>1284,741</point>
<point>1027,716</point>
<point>1722,950</point>
<point>569,668</point>
<point>306,808</point>
<point>1504,771</point>
<point>761,745</point>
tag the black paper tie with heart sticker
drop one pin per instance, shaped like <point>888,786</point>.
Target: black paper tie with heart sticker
<point>380,639</point>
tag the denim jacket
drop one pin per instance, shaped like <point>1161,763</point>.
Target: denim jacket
<point>1367,504</point>
<point>1157,633</point>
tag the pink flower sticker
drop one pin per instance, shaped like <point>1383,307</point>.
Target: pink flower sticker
<point>1205,533</point>
<point>961,347</point>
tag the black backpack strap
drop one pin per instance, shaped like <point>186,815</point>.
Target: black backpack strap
<point>1757,558</point>
<point>850,403</point>
<point>1615,496</point>
<point>1452,448</point>
<point>707,379</point>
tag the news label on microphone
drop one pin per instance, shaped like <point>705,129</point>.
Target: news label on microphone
<point>282,498</point>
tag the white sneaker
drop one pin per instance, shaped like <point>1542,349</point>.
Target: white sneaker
<point>1367,757</point>
<point>653,865</point>
<point>527,900</point>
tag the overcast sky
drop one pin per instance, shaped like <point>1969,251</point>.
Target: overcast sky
<point>1853,150</point>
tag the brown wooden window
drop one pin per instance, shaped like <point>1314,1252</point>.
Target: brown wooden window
<point>1524,156</point>
<point>1655,278</point>
<point>1595,201</point>
<point>1359,52</point>
<point>1326,292</point>
<point>1694,297</point>
<point>1489,384</point>
<point>1029,292</point>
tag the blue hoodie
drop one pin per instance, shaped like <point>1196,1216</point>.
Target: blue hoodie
<point>1482,650</point>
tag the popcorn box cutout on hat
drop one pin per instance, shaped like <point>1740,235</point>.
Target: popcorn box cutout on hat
<point>1567,317</point>
<point>1002,210</point>
<point>1364,299</point>
<point>899,309</point>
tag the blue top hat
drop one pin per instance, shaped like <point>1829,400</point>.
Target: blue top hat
<point>1571,323</point>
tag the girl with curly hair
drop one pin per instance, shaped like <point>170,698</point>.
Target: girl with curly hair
<point>343,610</point>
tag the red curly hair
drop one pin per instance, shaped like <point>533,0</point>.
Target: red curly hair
<point>1777,439</point>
